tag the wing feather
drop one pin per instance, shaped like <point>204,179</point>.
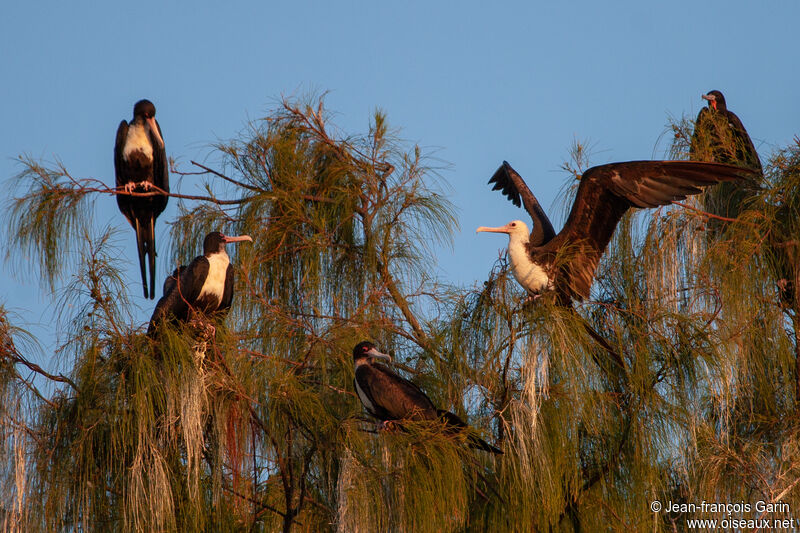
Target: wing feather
<point>160,173</point>
<point>227,295</point>
<point>510,183</point>
<point>605,193</point>
<point>393,396</point>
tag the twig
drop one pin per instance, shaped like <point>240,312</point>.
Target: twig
<point>39,370</point>
<point>226,178</point>
<point>711,215</point>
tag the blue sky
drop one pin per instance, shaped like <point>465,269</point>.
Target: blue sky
<point>471,83</point>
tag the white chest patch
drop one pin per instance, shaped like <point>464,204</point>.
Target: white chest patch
<point>364,398</point>
<point>137,140</point>
<point>214,285</point>
<point>527,273</point>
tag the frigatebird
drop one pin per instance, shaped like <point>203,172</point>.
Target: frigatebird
<point>566,262</point>
<point>205,286</point>
<point>719,136</point>
<point>140,163</point>
<point>390,397</point>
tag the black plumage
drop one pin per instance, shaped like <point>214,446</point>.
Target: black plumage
<point>720,137</point>
<point>140,163</point>
<point>566,262</point>
<point>205,286</point>
<point>390,397</point>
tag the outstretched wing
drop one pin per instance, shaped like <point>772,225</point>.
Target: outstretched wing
<point>606,192</point>
<point>510,183</point>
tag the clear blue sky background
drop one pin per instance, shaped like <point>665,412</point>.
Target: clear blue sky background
<point>476,82</point>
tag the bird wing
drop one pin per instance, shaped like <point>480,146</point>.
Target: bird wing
<point>119,162</point>
<point>745,149</point>
<point>160,173</point>
<point>227,294</point>
<point>722,138</point>
<point>172,279</point>
<point>160,167</point>
<point>393,396</point>
<point>182,293</point>
<point>192,279</point>
<point>122,173</point>
<point>605,193</point>
<point>510,183</point>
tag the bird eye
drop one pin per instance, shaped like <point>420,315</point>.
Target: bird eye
<point>513,224</point>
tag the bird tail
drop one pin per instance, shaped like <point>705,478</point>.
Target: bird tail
<point>140,247</point>
<point>452,420</point>
<point>151,253</point>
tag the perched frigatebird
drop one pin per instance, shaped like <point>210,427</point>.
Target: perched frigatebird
<point>205,286</point>
<point>140,162</point>
<point>389,397</point>
<point>566,262</point>
<point>720,137</point>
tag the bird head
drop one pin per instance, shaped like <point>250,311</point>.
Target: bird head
<point>146,112</point>
<point>517,230</point>
<point>365,350</point>
<point>215,242</point>
<point>715,100</point>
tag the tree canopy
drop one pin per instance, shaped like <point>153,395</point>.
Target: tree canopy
<point>258,427</point>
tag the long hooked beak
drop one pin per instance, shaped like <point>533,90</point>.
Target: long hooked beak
<point>151,122</point>
<point>501,229</point>
<point>237,239</point>
<point>378,355</point>
<point>711,99</point>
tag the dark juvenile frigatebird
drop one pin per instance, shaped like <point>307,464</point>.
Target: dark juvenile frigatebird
<point>205,286</point>
<point>389,397</point>
<point>566,262</point>
<point>140,162</point>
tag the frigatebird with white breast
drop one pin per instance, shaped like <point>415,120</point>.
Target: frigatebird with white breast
<point>205,286</point>
<point>566,262</point>
<point>140,163</point>
<point>390,397</point>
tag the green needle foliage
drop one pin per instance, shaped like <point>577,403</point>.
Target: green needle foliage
<point>256,426</point>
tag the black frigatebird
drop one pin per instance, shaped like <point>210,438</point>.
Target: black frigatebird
<point>140,163</point>
<point>205,286</point>
<point>566,262</point>
<point>719,136</point>
<point>389,397</point>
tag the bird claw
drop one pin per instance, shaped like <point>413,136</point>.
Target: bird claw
<point>141,185</point>
<point>385,425</point>
<point>206,328</point>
